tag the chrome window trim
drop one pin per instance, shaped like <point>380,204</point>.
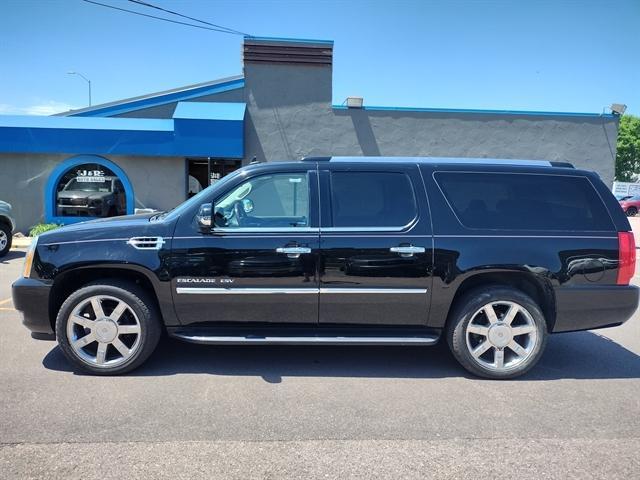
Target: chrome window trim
<point>266,230</point>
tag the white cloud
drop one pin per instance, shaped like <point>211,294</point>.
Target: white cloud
<point>44,108</point>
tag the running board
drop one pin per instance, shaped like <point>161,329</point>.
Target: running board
<point>317,339</point>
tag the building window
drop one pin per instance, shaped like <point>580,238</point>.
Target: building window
<point>206,171</point>
<point>86,187</point>
<point>90,190</point>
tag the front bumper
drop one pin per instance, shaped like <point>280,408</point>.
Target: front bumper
<point>591,307</point>
<point>31,297</point>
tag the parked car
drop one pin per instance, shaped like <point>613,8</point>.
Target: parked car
<point>7,226</point>
<point>92,197</point>
<point>490,256</point>
<point>630,205</point>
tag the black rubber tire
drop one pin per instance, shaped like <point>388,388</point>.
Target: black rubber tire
<point>138,299</point>
<point>7,230</point>
<point>632,211</point>
<point>462,313</point>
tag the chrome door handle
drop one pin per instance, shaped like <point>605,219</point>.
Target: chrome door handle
<point>293,252</point>
<point>407,251</point>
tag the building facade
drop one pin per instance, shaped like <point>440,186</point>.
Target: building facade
<point>156,150</point>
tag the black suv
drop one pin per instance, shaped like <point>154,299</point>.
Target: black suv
<point>492,255</point>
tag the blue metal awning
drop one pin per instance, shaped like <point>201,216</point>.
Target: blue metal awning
<point>202,129</point>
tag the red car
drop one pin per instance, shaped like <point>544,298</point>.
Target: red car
<point>630,205</point>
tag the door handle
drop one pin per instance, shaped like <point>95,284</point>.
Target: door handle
<point>407,251</point>
<point>293,252</point>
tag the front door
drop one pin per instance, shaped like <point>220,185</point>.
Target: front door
<point>376,246</point>
<point>260,262</point>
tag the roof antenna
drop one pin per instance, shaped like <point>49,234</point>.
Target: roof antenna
<point>253,160</point>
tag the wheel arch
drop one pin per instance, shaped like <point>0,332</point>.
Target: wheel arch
<point>71,280</point>
<point>537,288</point>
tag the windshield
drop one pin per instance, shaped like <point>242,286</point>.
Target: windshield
<point>88,185</point>
<point>202,197</point>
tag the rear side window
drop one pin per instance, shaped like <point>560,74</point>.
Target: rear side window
<point>524,202</point>
<point>372,199</point>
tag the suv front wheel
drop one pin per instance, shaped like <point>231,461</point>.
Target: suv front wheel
<point>5,239</point>
<point>108,328</point>
<point>497,332</point>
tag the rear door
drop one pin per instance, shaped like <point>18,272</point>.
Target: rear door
<point>376,245</point>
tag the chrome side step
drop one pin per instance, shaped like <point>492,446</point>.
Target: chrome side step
<point>305,339</point>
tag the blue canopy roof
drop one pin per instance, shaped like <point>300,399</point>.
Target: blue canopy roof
<point>203,129</point>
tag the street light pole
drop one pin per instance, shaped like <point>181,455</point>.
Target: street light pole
<point>86,80</point>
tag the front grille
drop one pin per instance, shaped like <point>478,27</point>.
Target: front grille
<point>146,243</point>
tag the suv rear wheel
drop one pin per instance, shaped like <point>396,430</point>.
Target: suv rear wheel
<point>108,328</point>
<point>497,332</point>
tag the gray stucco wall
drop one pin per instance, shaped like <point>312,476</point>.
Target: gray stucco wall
<point>289,117</point>
<point>157,182</point>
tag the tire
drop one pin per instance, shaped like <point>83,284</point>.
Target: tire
<point>473,329</point>
<point>130,333</point>
<point>5,239</point>
<point>632,211</point>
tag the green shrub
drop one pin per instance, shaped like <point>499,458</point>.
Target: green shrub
<point>41,228</point>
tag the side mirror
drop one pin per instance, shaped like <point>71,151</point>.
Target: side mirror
<point>204,218</point>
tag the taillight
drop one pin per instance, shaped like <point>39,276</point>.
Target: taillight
<point>626,257</point>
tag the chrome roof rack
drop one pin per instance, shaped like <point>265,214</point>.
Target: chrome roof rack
<point>443,161</point>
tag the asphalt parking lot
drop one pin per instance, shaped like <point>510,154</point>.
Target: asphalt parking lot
<point>334,412</point>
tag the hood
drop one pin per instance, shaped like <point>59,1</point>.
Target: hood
<point>114,228</point>
<point>81,194</point>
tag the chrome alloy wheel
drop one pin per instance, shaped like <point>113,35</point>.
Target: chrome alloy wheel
<point>103,331</point>
<point>501,335</point>
<point>3,240</point>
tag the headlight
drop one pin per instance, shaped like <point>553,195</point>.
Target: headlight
<point>28,259</point>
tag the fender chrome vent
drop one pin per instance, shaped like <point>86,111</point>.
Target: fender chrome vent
<point>146,243</point>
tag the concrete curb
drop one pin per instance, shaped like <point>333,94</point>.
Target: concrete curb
<point>21,242</point>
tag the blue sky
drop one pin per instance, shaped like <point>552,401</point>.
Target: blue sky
<point>550,55</point>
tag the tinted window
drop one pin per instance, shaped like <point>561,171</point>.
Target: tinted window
<point>372,199</point>
<point>524,202</point>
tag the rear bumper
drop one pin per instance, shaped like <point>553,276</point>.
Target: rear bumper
<point>591,307</point>
<point>31,297</point>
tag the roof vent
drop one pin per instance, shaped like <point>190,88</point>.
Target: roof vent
<point>146,243</point>
<point>354,102</point>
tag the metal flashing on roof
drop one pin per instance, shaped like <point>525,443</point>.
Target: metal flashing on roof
<point>478,111</point>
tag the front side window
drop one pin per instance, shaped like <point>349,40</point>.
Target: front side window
<point>269,201</point>
<point>524,202</point>
<point>372,199</point>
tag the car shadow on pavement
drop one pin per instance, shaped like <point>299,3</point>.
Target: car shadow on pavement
<point>582,355</point>
<point>11,255</point>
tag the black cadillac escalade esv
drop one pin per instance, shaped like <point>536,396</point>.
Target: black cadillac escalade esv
<point>492,255</point>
